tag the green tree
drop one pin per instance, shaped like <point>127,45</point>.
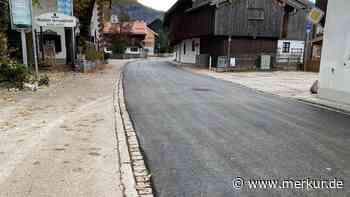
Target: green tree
<point>5,23</point>
<point>83,11</point>
<point>119,44</point>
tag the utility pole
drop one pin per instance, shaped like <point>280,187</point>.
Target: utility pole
<point>229,41</point>
<point>73,36</point>
<point>307,44</point>
<point>229,50</point>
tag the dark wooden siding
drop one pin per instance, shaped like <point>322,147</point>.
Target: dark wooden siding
<point>191,24</point>
<point>233,19</point>
<point>174,20</point>
<point>297,25</point>
<point>245,49</point>
<point>200,22</point>
<point>322,4</point>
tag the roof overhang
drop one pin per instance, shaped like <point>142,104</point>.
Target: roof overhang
<point>173,8</point>
<point>298,4</point>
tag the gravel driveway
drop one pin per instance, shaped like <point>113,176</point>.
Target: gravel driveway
<point>282,83</point>
<point>60,141</point>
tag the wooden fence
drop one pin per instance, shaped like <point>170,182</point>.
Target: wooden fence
<point>313,65</point>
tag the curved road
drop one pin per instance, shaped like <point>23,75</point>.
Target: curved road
<point>200,133</point>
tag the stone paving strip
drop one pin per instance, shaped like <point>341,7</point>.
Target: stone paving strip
<point>131,159</point>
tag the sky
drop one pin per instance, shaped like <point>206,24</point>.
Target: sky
<point>163,5</point>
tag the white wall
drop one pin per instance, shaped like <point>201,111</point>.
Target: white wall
<point>294,45</point>
<point>190,56</point>
<point>150,50</point>
<point>128,51</point>
<point>335,61</point>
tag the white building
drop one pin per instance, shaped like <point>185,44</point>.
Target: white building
<point>134,50</point>
<point>335,62</point>
<point>290,51</point>
<point>188,50</point>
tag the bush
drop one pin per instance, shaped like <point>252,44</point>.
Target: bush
<point>107,56</point>
<point>13,72</point>
<point>92,54</point>
<point>3,44</point>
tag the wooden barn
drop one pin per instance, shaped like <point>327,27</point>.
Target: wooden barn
<point>202,30</point>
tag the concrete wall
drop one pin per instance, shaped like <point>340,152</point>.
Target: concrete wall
<point>188,55</point>
<point>335,62</point>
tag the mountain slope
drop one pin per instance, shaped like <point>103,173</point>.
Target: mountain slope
<point>135,10</point>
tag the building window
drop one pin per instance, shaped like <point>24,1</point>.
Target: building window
<point>286,47</point>
<point>134,49</point>
<point>256,14</point>
<point>251,4</point>
<point>185,48</point>
<point>193,45</point>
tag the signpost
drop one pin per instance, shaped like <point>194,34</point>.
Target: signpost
<point>21,20</point>
<point>309,26</point>
<point>24,47</point>
<point>315,15</point>
<point>21,15</point>
<point>54,19</point>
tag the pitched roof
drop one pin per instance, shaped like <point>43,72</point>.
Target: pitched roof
<point>151,30</point>
<point>133,28</point>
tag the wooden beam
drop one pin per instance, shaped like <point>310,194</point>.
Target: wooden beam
<point>298,4</point>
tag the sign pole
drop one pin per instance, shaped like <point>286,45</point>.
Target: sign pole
<point>306,50</point>
<point>73,35</point>
<point>24,47</point>
<point>34,48</point>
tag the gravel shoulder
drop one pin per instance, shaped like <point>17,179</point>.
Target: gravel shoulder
<point>60,141</point>
<point>291,84</point>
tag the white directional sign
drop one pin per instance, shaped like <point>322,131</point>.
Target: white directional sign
<point>21,16</point>
<point>56,20</point>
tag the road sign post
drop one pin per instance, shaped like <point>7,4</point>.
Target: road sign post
<point>24,47</point>
<point>21,21</point>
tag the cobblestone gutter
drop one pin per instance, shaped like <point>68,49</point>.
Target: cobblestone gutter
<point>135,177</point>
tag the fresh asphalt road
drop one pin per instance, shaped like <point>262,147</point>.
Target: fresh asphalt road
<point>200,133</point>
